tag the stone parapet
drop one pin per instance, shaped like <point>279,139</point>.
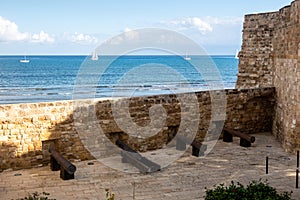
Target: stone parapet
<point>27,130</point>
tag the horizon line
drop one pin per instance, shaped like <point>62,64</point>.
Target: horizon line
<point>112,55</point>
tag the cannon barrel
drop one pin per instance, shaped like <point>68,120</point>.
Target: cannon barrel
<point>198,148</point>
<point>124,146</point>
<point>136,159</point>
<point>64,163</point>
<point>245,136</point>
<point>245,139</point>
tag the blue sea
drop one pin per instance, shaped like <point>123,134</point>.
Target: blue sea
<point>51,78</point>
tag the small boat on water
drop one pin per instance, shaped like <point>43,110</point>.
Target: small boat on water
<point>236,54</point>
<point>25,60</point>
<point>94,56</point>
<point>187,57</point>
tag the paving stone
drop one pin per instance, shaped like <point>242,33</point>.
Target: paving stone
<point>186,178</point>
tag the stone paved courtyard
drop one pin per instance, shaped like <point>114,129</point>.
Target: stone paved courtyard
<point>184,179</point>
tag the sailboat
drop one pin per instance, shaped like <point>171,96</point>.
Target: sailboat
<point>94,56</point>
<point>237,54</point>
<point>25,60</point>
<point>187,57</point>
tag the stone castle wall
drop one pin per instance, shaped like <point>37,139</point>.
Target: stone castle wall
<point>27,130</point>
<point>270,56</point>
<point>267,99</point>
<point>255,57</point>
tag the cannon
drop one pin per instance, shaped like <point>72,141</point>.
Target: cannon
<point>198,148</point>
<point>58,162</point>
<point>245,139</point>
<point>136,159</point>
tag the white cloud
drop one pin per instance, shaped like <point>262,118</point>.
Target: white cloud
<point>131,34</point>
<point>9,31</point>
<point>127,29</point>
<point>127,35</point>
<point>224,20</point>
<point>209,31</point>
<point>190,23</point>
<point>83,38</point>
<point>203,25</point>
<point>42,37</point>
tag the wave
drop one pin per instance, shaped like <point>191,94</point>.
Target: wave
<point>50,78</point>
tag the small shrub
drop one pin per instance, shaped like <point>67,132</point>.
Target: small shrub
<point>254,191</point>
<point>37,196</point>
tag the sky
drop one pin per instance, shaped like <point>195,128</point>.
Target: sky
<point>77,27</point>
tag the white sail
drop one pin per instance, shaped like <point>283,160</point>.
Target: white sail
<point>25,60</point>
<point>237,54</point>
<point>187,57</point>
<point>94,56</point>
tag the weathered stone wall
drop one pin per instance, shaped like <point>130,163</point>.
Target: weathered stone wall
<point>26,130</point>
<point>255,57</point>
<point>270,57</point>
<point>286,77</point>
